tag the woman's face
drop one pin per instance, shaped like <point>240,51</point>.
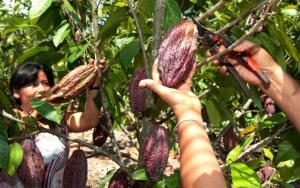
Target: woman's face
<point>33,90</point>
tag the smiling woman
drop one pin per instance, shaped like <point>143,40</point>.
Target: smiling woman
<point>34,80</point>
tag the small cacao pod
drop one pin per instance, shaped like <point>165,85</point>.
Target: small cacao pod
<point>6,181</point>
<point>177,53</point>
<point>75,173</point>
<point>119,180</point>
<point>100,134</point>
<point>137,95</point>
<point>269,105</point>
<point>156,151</point>
<point>32,169</point>
<point>229,140</point>
<point>265,173</point>
<point>73,84</point>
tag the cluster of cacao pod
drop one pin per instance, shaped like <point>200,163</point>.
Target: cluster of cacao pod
<point>75,173</point>
<point>73,84</point>
<point>156,151</point>
<point>137,95</point>
<point>32,169</point>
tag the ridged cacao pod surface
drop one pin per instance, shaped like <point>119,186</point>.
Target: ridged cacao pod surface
<point>73,84</point>
<point>177,53</point>
<point>100,134</point>
<point>156,151</point>
<point>265,173</point>
<point>75,174</point>
<point>32,169</point>
<point>119,180</point>
<point>137,95</point>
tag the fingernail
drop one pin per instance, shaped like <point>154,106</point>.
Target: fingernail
<point>142,84</point>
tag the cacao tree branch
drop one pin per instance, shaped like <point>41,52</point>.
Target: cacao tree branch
<point>262,143</point>
<point>139,31</point>
<point>216,7</point>
<point>252,30</point>
<point>80,142</point>
<point>103,97</point>
<point>159,18</point>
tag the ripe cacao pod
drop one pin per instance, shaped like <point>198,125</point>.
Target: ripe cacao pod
<point>119,180</point>
<point>100,134</point>
<point>137,95</point>
<point>75,174</point>
<point>156,151</point>
<point>6,181</point>
<point>177,53</point>
<point>73,84</point>
<point>229,140</point>
<point>32,169</point>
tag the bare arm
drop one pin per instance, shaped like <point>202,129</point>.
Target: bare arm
<point>283,89</point>
<point>198,163</point>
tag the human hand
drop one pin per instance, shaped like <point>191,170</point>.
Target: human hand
<point>257,53</point>
<point>184,103</point>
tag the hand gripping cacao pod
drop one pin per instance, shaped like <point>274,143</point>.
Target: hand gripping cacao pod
<point>75,174</point>
<point>100,133</point>
<point>73,84</point>
<point>177,53</point>
<point>156,151</point>
<point>119,180</point>
<point>229,140</point>
<point>32,169</point>
<point>137,95</point>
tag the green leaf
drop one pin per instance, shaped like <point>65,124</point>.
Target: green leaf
<point>268,153</point>
<point>129,52</point>
<point>32,52</point>
<point>15,158</point>
<point>243,176</point>
<point>146,8</point>
<point>173,14</point>
<point>140,174</point>
<point>46,110</point>
<point>234,154</point>
<point>61,34</point>
<point>113,22</point>
<point>284,41</point>
<point>4,102</point>
<point>4,150</point>
<point>106,178</point>
<point>38,7</point>
<point>289,147</point>
<point>290,10</point>
<point>173,181</point>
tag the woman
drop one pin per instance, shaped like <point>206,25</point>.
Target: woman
<point>33,80</point>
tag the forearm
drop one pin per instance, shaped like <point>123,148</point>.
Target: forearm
<point>198,163</point>
<point>285,91</point>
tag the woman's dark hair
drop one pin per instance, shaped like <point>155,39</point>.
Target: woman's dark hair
<point>28,73</point>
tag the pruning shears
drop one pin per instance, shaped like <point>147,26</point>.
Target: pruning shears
<point>213,40</point>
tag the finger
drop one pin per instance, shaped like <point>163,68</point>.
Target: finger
<point>91,61</point>
<point>246,46</point>
<point>216,62</point>
<point>156,87</point>
<point>223,70</point>
<point>208,53</point>
<point>155,73</point>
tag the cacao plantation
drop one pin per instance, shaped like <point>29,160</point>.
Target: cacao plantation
<point>128,138</point>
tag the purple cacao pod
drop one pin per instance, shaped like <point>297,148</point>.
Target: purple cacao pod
<point>177,53</point>
<point>156,151</point>
<point>100,133</point>
<point>32,169</point>
<point>137,95</point>
<point>75,174</point>
<point>119,180</point>
<point>229,140</point>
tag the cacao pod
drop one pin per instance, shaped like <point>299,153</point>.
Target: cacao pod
<point>265,173</point>
<point>32,169</point>
<point>119,180</point>
<point>177,53</point>
<point>137,95</point>
<point>6,181</point>
<point>229,140</point>
<point>100,134</point>
<point>156,151</point>
<point>73,84</point>
<point>269,105</point>
<point>75,174</point>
